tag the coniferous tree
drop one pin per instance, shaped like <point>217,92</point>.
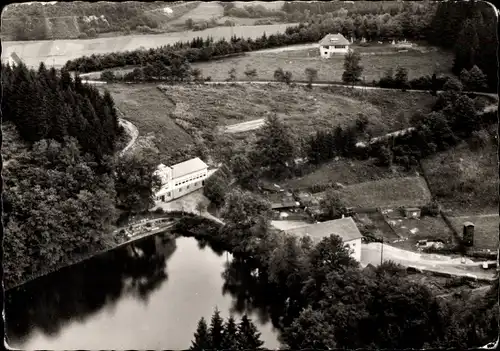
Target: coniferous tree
<point>216,330</point>
<point>248,335</point>
<point>201,340</point>
<point>352,67</point>
<point>230,336</point>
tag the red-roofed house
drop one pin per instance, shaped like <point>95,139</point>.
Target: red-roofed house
<point>333,44</point>
<point>345,228</point>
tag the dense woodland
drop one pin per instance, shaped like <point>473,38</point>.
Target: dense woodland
<point>318,298</point>
<point>64,189</point>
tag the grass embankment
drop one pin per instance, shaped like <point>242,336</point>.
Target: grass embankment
<point>148,109</point>
<point>376,60</point>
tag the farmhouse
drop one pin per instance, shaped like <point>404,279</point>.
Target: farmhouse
<point>180,179</point>
<point>333,44</point>
<point>345,228</point>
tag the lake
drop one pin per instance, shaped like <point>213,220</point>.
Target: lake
<point>57,52</point>
<point>147,295</point>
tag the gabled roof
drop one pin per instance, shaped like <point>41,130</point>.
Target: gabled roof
<point>346,228</point>
<point>334,39</point>
<point>188,167</point>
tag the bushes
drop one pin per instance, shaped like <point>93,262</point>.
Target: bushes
<point>282,76</point>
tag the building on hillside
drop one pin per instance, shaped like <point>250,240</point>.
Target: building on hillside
<point>12,60</point>
<point>282,201</point>
<point>180,179</point>
<point>412,212</point>
<point>333,44</point>
<point>345,228</point>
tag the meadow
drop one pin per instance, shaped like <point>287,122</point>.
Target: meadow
<point>465,181</point>
<point>485,232</point>
<point>146,107</point>
<point>376,60</point>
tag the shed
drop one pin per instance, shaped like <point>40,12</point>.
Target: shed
<point>468,233</point>
<point>412,212</point>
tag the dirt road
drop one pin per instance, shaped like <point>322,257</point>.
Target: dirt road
<point>372,254</point>
<point>132,131</point>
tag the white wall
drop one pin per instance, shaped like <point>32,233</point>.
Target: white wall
<point>327,53</point>
<point>355,246</point>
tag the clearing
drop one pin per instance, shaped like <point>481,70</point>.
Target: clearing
<point>340,170</point>
<point>146,107</point>
<point>376,59</point>
<point>386,193</point>
<point>465,181</point>
<point>209,107</point>
<point>205,11</point>
<point>485,232</point>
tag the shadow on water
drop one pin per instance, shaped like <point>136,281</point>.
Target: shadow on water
<point>252,293</point>
<point>77,292</point>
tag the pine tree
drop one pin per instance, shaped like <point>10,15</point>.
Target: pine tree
<point>248,335</point>
<point>201,337</point>
<point>230,336</point>
<point>466,47</point>
<point>216,330</point>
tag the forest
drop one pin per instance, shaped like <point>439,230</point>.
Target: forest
<point>64,189</point>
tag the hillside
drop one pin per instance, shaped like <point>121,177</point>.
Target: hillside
<point>71,20</point>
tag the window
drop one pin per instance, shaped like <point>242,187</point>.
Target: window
<point>196,183</point>
<point>339,46</point>
<point>202,182</point>
<point>326,47</point>
<point>168,194</point>
<point>353,244</point>
<point>187,187</point>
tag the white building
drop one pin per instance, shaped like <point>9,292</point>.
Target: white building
<point>180,179</point>
<point>333,44</point>
<point>345,228</point>
<point>12,60</point>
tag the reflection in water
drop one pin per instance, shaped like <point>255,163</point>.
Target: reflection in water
<point>119,300</point>
<point>76,292</point>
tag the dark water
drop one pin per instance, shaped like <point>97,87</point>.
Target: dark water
<point>148,295</point>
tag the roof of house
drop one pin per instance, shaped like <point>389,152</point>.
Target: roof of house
<point>467,224</point>
<point>188,167</point>
<point>346,228</point>
<point>334,39</point>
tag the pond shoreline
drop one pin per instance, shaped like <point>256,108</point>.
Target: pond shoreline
<point>93,254</point>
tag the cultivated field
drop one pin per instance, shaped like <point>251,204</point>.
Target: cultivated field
<point>465,181</point>
<point>376,59</point>
<point>386,193</point>
<point>58,52</point>
<point>146,107</point>
<point>205,11</point>
<point>486,232</point>
<point>209,107</point>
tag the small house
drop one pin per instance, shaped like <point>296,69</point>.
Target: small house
<point>282,202</point>
<point>468,233</point>
<point>345,228</point>
<point>333,44</point>
<point>268,187</point>
<point>412,212</point>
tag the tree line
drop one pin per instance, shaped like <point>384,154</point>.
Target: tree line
<point>44,104</point>
<point>319,298</point>
<point>64,189</point>
<point>227,335</point>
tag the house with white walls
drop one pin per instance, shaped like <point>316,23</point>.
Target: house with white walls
<point>345,228</point>
<point>333,44</point>
<point>180,179</point>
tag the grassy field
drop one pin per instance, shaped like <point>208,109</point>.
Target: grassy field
<point>57,52</point>
<point>146,107</point>
<point>344,171</point>
<point>386,193</point>
<point>486,230</point>
<point>465,181</point>
<point>304,110</point>
<point>205,11</point>
<point>375,59</point>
